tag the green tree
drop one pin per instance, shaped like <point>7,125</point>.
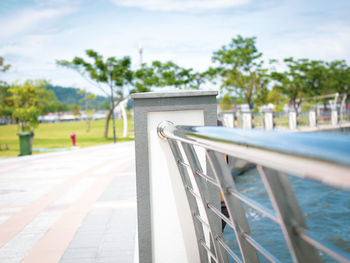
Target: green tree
<point>293,81</point>
<point>325,78</point>
<point>171,74</point>
<point>47,98</point>
<point>262,91</point>
<point>144,79</point>
<point>76,109</point>
<point>6,104</point>
<point>26,102</point>
<point>23,103</point>
<point>167,74</point>
<point>277,98</point>
<point>226,102</point>
<point>241,68</point>
<point>3,66</point>
<point>316,75</point>
<point>306,79</point>
<point>340,76</point>
<point>62,107</point>
<point>87,97</point>
<point>96,72</point>
<point>198,78</point>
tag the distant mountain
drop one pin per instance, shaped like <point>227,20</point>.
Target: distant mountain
<point>71,96</point>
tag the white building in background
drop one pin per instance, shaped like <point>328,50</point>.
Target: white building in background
<point>48,118</point>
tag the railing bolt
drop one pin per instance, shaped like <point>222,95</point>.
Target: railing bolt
<point>161,127</point>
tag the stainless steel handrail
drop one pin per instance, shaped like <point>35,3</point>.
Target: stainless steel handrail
<point>325,154</point>
<point>320,146</point>
<point>275,154</point>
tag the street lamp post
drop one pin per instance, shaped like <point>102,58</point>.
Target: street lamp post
<point>198,79</point>
<point>110,68</point>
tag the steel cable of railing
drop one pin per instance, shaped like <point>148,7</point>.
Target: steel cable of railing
<point>275,155</point>
<point>229,250</point>
<point>324,246</point>
<point>254,243</point>
<point>261,249</point>
<point>191,197</point>
<point>255,205</point>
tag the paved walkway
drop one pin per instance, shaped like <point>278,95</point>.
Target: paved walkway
<point>76,206</point>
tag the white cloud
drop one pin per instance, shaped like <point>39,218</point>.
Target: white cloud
<point>33,38</point>
<point>328,42</point>
<point>27,19</point>
<point>181,5</point>
<point>56,3</point>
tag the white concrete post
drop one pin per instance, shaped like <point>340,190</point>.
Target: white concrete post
<point>342,107</point>
<point>246,119</point>
<point>312,118</point>
<point>334,112</point>
<point>228,118</point>
<point>292,119</point>
<point>268,120</point>
<point>334,117</point>
<point>165,228</point>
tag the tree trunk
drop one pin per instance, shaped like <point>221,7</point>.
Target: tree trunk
<point>324,105</point>
<point>298,105</point>
<point>107,122</point>
<point>294,102</point>
<point>109,117</point>
<point>295,107</point>
<point>249,101</point>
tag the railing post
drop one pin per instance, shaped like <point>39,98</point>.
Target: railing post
<point>204,192</point>
<point>247,119</point>
<point>191,200</point>
<point>334,117</point>
<point>292,119</point>
<point>166,231</point>
<point>342,108</point>
<point>234,206</point>
<point>268,120</point>
<point>289,213</point>
<point>312,119</point>
<point>229,118</point>
<point>334,112</point>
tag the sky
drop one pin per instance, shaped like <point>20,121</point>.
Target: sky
<point>36,33</point>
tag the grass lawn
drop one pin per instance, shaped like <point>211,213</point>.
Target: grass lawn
<point>57,135</point>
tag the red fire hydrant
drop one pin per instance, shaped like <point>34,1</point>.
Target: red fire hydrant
<point>73,137</point>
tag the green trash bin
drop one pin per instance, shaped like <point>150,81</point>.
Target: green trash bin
<point>25,143</point>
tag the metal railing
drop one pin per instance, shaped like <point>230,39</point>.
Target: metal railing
<point>282,121</point>
<point>276,156</point>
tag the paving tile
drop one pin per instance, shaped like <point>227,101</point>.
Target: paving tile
<point>4,218</point>
<point>76,191</point>
<point>23,242</point>
<point>81,252</point>
<point>107,233</point>
<point>113,240</point>
<point>122,188</point>
<point>78,260</point>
